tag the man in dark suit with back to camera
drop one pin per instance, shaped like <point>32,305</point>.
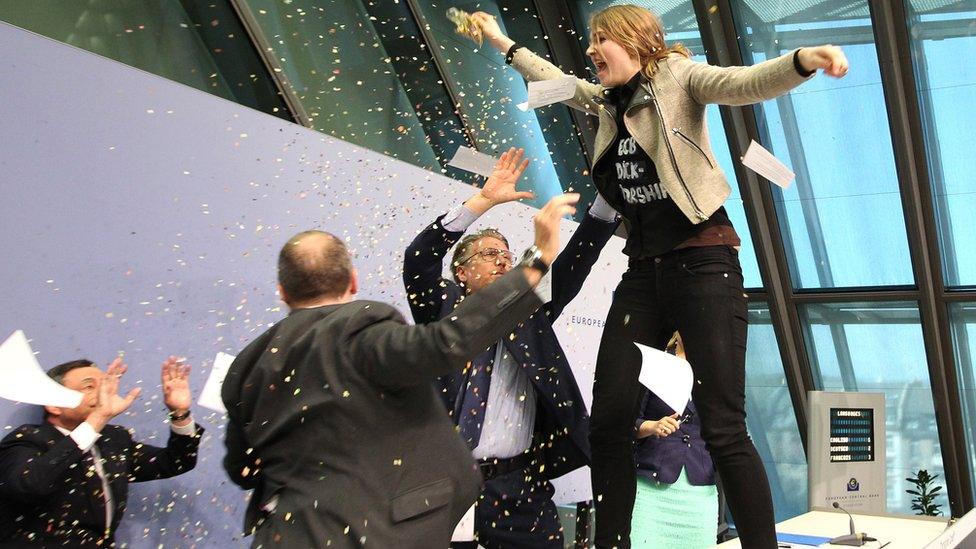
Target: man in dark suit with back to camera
<point>64,483</point>
<point>517,404</point>
<point>333,420</point>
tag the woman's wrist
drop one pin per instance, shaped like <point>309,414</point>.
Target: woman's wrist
<point>501,43</point>
<point>800,65</point>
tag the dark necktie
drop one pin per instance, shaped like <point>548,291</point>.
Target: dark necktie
<point>474,398</point>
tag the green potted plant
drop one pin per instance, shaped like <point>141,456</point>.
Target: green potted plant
<point>925,492</point>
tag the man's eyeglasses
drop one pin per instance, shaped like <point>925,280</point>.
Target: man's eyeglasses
<point>489,255</point>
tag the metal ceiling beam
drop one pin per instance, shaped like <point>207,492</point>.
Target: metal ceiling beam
<point>275,69</point>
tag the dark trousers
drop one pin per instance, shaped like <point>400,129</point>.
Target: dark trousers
<point>697,291</point>
<point>516,511</point>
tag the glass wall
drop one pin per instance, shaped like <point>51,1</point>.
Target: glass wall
<point>943,33</point>
<point>842,217</point>
<point>200,44</point>
<point>878,347</point>
<point>770,417</point>
<point>334,61</point>
<point>416,70</point>
<point>488,90</point>
<point>963,320</point>
<point>681,26</point>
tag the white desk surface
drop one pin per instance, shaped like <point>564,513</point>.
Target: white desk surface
<point>904,532</point>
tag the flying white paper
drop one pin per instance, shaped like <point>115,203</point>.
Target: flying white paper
<point>25,381</point>
<point>669,377</point>
<point>473,161</point>
<point>210,395</point>
<point>464,531</point>
<point>547,92</point>
<point>761,161</point>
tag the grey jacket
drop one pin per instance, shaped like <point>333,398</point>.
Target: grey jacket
<point>668,120</point>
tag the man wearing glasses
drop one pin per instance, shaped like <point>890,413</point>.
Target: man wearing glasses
<point>517,404</point>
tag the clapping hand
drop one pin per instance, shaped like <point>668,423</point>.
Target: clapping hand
<point>176,385</point>
<point>110,402</point>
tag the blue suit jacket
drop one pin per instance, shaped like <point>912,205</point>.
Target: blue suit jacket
<point>661,459</point>
<point>561,417</point>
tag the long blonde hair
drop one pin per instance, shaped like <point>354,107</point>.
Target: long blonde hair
<point>638,30</point>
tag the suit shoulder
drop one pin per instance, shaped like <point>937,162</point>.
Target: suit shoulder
<point>29,432</point>
<point>359,315</point>
<point>371,310</point>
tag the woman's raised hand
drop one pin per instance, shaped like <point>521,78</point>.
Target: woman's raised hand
<point>830,59</point>
<point>490,30</point>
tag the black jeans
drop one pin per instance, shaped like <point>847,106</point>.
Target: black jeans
<point>697,291</point>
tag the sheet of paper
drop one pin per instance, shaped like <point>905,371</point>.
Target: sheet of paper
<point>468,159</point>
<point>25,381</point>
<point>547,92</point>
<point>210,395</point>
<point>669,377</point>
<point>464,531</point>
<point>761,161</point>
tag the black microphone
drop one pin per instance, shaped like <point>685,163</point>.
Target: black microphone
<point>851,517</point>
<point>854,539</point>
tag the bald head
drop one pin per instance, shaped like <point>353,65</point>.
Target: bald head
<point>312,266</point>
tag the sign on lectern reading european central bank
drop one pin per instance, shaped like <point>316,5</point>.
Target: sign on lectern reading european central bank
<point>846,450</point>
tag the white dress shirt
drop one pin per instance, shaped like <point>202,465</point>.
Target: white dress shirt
<point>510,411</point>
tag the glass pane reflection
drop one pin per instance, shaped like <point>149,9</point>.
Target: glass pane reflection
<point>878,347</point>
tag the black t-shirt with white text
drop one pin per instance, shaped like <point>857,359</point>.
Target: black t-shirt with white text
<point>628,180</point>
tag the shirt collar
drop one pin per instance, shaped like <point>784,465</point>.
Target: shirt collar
<point>621,95</point>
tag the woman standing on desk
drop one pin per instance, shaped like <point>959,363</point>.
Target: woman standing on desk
<point>654,165</point>
<point>677,501</point>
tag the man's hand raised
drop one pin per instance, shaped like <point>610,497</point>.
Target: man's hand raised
<point>176,386</point>
<point>547,224</point>
<point>110,402</point>
<point>500,187</point>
